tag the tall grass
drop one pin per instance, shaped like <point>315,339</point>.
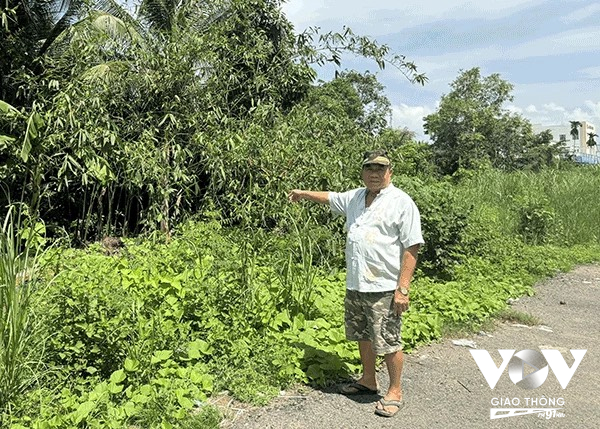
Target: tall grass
<point>571,195</point>
<point>297,271</point>
<point>20,344</point>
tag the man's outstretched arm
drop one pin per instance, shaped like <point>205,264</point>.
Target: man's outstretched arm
<point>321,197</point>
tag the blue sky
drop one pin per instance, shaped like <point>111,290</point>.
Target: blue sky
<point>548,49</point>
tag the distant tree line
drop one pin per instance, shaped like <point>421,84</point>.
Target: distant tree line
<point>472,127</point>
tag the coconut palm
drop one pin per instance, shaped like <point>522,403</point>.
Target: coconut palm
<point>575,125</point>
<point>31,28</point>
<point>592,139</point>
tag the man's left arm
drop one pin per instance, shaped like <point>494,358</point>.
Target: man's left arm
<point>409,263</point>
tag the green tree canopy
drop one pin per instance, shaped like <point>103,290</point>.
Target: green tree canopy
<point>359,96</point>
<point>134,121</point>
<point>472,127</point>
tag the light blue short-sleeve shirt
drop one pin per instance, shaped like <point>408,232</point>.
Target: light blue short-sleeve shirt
<point>377,236</point>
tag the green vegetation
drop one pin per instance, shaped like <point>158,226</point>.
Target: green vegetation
<point>20,351</point>
<point>145,335</point>
<point>472,128</point>
<point>515,316</point>
<point>181,130</point>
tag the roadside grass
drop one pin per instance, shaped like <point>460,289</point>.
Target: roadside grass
<point>520,317</point>
<point>253,312</point>
<point>21,341</point>
<point>558,203</point>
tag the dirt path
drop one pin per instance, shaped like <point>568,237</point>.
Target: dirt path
<point>444,388</point>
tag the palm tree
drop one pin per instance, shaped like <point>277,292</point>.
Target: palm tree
<point>31,26</point>
<point>167,16</point>
<point>592,139</point>
<point>575,125</point>
<point>575,129</point>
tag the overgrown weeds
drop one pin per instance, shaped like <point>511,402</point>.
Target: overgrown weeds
<point>516,316</point>
<point>21,342</point>
<point>145,336</point>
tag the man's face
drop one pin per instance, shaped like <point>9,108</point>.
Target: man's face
<point>376,176</point>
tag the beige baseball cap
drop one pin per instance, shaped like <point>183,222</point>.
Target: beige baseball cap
<point>376,157</point>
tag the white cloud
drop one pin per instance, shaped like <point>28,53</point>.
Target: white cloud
<point>590,72</point>
<point>594,108</point>
<point>582,13</point>
<point>553,107</point>
<point>554,114</point>
<point>566,42</point>
<point>372,16</point>
<point>411,117</point>
<point>557,103</point>
<point>303,13</point>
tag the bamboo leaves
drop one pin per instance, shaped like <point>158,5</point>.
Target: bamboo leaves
<point>6,108</point>
<point>34,124</point>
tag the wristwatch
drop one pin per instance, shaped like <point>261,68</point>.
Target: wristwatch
<point>404,291</point>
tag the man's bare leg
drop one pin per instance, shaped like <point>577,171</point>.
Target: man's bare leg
<point>367,358</point>
<point>394,363</point>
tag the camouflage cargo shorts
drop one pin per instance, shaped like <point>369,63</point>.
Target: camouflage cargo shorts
<point>370,317</point>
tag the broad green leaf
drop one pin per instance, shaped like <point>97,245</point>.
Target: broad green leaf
<point>131,365</point>
<point>140,398</point>
<point>115,388</point>
<point>130,409</point>
<point>5,107</point>
<point>197,347</point>
<point>83,411</point>
<point>118,376</point>
<point>161,355</point>
<point>185,402</point>
<point>5,141</point>
<point>146,390</point>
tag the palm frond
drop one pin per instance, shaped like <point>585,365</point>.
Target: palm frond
<point>73,11</point>
<point>201,15</point>
<point>105,72</point>
<point>114,27</point>
<point>159,14</point>
<point>115,9</point>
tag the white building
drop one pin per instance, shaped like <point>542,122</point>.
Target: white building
<point>577,146</point>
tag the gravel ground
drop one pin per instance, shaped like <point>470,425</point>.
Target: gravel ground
<point>443,387</point>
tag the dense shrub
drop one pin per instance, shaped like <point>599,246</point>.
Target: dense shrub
<point>444,219</point>
<point>536,221</point>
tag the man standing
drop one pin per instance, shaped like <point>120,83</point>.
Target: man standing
<point>384,236</point>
